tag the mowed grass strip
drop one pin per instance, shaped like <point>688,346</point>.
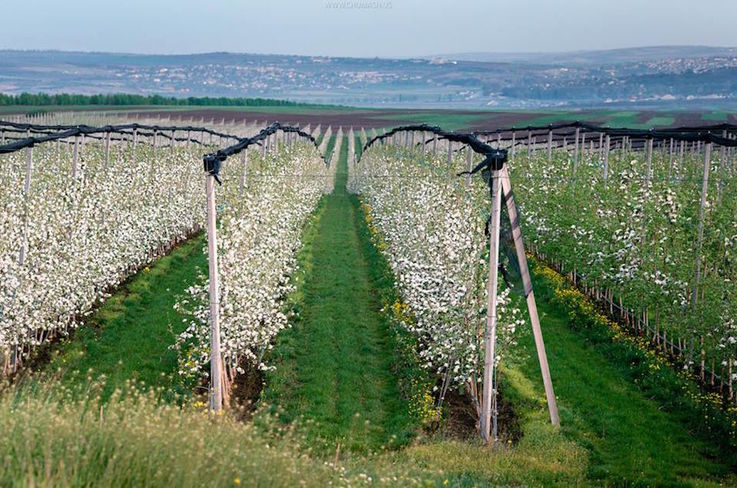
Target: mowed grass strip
<point>128,338</point>
<point>333,367</point>
<point>630,438</point>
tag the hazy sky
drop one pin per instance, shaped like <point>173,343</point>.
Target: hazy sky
<point>363,27</point>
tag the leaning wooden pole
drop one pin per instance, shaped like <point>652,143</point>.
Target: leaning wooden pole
<point>530,295</point>
<point>216,386</point>
<point>491,315</point>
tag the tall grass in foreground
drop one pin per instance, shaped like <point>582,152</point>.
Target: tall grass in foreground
<point>60,437</point>
<point>53,439</point>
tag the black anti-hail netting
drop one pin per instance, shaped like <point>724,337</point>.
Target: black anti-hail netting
<point>29,135</point>
<point>725,135</point>
<point>212,161</point>
<point>39,134</point>
<point>556,136</point>
<point>720,134</point>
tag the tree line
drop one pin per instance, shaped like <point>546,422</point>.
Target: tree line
<point>65,99</point>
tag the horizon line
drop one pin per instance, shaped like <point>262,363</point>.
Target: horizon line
<point>423,56</point>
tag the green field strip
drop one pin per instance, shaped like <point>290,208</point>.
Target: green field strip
<point>448,121</point>
<point>631,439</point>
<point>333,367</point>
<point>128,338</point>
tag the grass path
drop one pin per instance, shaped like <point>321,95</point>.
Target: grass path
<point>128,337</point>
<point>629,436</point>
<point>334,365</point>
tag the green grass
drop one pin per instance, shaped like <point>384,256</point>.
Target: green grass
<point>715,116</point>
<point>62,440</point>
<point>629,435</point>
<point>659,121</point>
<point>128,337</point>
<point>448,121</point>
<point>334,366</point>
<point>330,146</point>
<point>611,118</point>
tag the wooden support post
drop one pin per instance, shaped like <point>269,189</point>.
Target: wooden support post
<point>75,158</point>
<point>583,144</point>
<point>606,158</point>
<point>491,316</point>
<point>723,155</point>
<point>702,210</point>
<point>450,153</point>
<point>216,386</point>
<point>469,165</point>
<point>26,191</point>
<point>531,305</point>
<point>550,146</point>
<point>514,144</point>
<point>649,159</point>
<point>107,149</point>
<point>244,162</point>
<point>529,144</point>
<point>135,140</point>
<point>575,152</point>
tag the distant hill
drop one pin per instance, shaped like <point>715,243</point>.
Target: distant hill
<point>670,76</point>
<point>607,57</point>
